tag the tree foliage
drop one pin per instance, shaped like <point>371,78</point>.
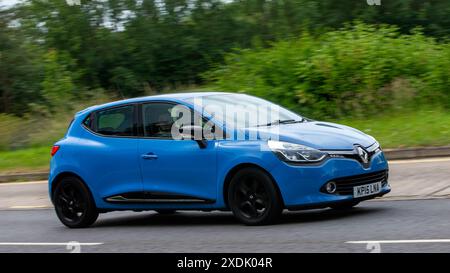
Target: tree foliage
<point>359,70</point>
<point>132,47</point>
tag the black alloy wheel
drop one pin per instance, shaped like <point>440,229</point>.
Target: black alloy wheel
<point>253,197</point>
<point>74,204</point>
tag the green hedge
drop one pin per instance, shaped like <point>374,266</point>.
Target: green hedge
<point>353,72</point>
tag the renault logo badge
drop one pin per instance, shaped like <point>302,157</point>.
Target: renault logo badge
<point>362,153</point>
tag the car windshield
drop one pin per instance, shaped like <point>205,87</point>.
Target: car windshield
<point>243,111</point>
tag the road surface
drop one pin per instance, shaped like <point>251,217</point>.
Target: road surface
<point>414,218</point>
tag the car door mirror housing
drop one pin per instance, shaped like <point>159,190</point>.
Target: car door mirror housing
<point>193,132</point>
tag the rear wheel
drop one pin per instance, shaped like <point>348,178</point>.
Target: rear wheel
<point>345,205</point>
<point>74,204</point>
<point>253,198</point>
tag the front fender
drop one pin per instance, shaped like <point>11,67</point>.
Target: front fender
<point>234,153</point>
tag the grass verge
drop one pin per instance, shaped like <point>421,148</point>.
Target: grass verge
<point>412,129</point>
<point>25,160</point>
<point>397,130</point>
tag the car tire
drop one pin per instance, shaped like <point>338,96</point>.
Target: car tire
<point>253,197</point>
<point>345,205</point>
<point>165,211</point>
<point>74,204</point>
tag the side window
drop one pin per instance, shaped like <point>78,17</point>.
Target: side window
<point>118,121</point>
<point>88,122</point>
<point>157,119</point>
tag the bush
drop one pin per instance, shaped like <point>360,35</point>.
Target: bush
<point>9,128</point>
<point>356,71</point>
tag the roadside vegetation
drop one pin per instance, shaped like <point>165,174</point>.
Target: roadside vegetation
<point>359,71</point>
<point>417,128</point>
<point>393,130</point>
<point>384,70</point>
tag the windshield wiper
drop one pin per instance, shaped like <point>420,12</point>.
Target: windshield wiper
<point>279,121</point>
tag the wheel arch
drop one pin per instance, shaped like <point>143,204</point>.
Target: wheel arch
<point>63,175</point>
<point>233,171</point>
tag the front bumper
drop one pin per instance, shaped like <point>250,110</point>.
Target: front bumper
<point>300,186</point>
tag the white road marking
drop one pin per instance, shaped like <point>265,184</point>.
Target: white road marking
<point>45,244</point>
<point>23,183</point>
<point>30,207</point>
<point>423,160</point>
<point>401,241</point>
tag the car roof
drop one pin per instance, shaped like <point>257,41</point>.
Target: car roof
<point>177,97</point>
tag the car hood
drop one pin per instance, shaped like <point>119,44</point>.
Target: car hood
<point>316,134</point>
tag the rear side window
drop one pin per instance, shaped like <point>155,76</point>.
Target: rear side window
<point>118,121</point>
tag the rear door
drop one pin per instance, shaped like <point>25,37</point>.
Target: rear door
<point>109,155</point>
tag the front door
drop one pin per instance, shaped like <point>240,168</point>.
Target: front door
<point>174,170</point>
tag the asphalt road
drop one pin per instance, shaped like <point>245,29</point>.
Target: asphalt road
<point>306,231</point>
<point>419,224</point>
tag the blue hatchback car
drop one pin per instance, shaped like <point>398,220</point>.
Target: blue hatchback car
<point>136,155</point>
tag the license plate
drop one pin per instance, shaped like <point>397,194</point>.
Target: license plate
<point>366,190</point>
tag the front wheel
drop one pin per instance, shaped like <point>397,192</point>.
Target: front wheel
<point>74,204</point>
<point>253,197</point>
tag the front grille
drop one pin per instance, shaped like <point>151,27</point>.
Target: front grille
<point>371,151</point>
<point>345,184</point>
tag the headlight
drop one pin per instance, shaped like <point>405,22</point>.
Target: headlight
<point>295,152</point>
<point>375,148</point>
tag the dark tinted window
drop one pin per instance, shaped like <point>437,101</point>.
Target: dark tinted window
<point>158,120</point>
<point>88,122</point>
<point>118,121</point>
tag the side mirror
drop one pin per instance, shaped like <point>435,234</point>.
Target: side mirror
<point>194,132</point>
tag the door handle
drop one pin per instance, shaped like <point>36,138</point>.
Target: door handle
<point>149,156</point>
